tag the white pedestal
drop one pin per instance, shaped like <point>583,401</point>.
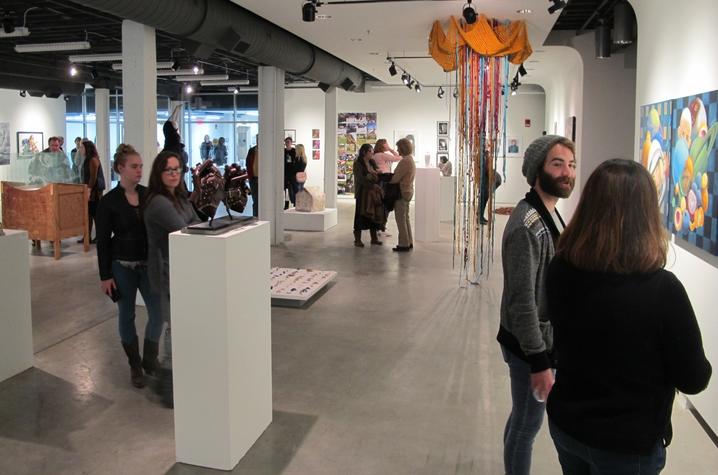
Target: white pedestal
<point>427,204</point>
<point>447,203</point>
<point>15,309</point>
<point>310,221</point>
<point>221,343</point>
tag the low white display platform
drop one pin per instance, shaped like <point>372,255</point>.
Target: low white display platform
<point>310,221</point>
<point>15,310</point>
<point>221,343</point>
<point>427,204</point>
<point>298,285</point>
<point>448,198</point>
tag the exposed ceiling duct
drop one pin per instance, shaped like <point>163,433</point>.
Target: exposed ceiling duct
<point>220,24</point>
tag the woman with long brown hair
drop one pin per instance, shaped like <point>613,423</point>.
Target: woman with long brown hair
<point>365,177</point>
<point>166,210</point>
<point>625,334</point>
<point>94,179</point>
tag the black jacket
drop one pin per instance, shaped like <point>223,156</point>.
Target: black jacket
<point>624,343</point>
<point>121,232</point>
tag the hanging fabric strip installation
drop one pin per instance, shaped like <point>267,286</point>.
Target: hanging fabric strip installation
<point>479,54</point>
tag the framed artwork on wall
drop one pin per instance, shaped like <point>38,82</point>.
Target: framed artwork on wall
<point>439,156</point>
<point>291,133</point>
<point>315,133</point>
<point>442,144</point>
<point>316,154</point>
<point>4,143</point>
<point>28,144</point>
<point>513,146</point>
<point>442,128</point>
<point>654,145</point>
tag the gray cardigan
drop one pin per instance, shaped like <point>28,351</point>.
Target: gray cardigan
<point>162,218</point>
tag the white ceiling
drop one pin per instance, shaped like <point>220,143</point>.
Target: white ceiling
<point>365,34</point>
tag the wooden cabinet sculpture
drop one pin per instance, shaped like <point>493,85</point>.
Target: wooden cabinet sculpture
<point>49,212</point>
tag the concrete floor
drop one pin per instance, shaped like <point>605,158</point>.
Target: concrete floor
<point>393,370</point>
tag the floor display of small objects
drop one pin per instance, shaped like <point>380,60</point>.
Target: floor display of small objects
<point>298,284</point>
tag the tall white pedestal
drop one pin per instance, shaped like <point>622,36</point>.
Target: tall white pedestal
<point>447,203</point>
<point>15,309</point>
<point>310,220</point>
<point>427,204</point>
<point>221,343</point>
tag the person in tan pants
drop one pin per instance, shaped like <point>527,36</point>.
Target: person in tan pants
<point>404,175</point>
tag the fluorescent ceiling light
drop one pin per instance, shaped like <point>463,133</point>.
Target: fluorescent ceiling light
<point>94,58</point>
<point>50,47</point>
<point>180,72</point>
<point>198,77</point>
<point>253,89</point>
<point>160,65</point>
<point>235,82</point>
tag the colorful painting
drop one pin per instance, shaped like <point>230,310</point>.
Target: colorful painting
<point>316,154</point>
<point>655,149</point>
<point>316,144</point>
<point>28,144</point>
<point>693,170</point>
<point>315,133</point>
<point>354,129</point>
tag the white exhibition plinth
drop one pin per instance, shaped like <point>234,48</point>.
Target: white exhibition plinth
<point>427,204</point>
<point>448,198</point>
<point>221,343</point>
<point>15,309</point>
<point>310,220</point>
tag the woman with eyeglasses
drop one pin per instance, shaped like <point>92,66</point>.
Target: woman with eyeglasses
<point>624,330</point>
<point>166,210</point>
<point>122,259</point>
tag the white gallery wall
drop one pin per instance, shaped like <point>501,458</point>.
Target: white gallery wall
<point>29,114</point>
<point>399,109</point>
<point>673,64</point>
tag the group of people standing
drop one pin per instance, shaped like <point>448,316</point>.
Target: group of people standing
<point>295,164</point>
<point>593,329</point>
<point>213,150</point>
<point>377,191</point>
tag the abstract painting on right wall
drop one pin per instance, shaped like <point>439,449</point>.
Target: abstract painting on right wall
<point>693,187</point>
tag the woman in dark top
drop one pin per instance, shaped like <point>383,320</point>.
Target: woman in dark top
<point>165,211</point>
<point>122,258</point>
<point>92,177</point>
<point>366,174</point>
<point>625,333</point>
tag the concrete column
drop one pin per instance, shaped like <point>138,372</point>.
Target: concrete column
<point>102,115</point>
<point>330,147</point>
<point>271,155</point>
<point>139,89</point>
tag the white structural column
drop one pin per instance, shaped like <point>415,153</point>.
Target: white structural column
<point>271,156</point>
<point>139,88</point>
<point>428,198</point>
<point>330,146</point>
<point>102,114</point>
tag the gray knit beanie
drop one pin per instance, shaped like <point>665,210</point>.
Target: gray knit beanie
<point>535,156</point>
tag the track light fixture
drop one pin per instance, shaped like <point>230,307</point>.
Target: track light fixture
<point>392,69</point>
<point>72,70</point>
<point>196,69</point>
<point>405,78</point>
<point>455,93</point>
<point>309,10</point>
<point>557,5</point>
<point>469,13</point>
<point>417,87</point>
<point>8,25</point>
<point>522,70</point>
<point>23,93</point>
<point>188,89</point>
<point>441,93</point>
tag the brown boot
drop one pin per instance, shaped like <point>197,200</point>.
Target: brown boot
<point>357,239</point>
<point>133,357</point>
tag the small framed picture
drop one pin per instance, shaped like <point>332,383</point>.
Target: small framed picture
<point>316,144</point>
<point>28,144</point>
<point>315,133</point>
<point>440,157</point>
<point>442,129</point>
<point>513,147</point>
<point>316,154</point>
<point>291,133</point>
<point>442,144</point>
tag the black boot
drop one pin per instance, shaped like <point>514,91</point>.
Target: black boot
<point>164,387</point>
<point>375,237</point>
<point>357,239</point>
<point>133,357</point>
<point>149,357</point>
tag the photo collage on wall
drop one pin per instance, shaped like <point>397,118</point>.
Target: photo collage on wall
<point>354,129</point>
<point>316,145</point>
<point>442,141</point>
<point>678,147</point>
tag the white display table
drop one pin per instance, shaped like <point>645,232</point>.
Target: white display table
<point>221,343</point>
<point>427,204</point>
<point>447,203</point>
<point>310,221</point>
<point>15,308</point>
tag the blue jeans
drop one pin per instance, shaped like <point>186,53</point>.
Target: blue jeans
<point>578,458</point>
<point>128,282</point>
<point>525,419</point>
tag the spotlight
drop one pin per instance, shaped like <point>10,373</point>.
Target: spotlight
<point>405,79</point>
<point>8,25</point>
<point>441,93</point>
<point>522,70</point>
<point>23,93</point>
<point>411,84</point>
<point>622,24</point>
<point>309,10</point>
<point>236,91</point>
<point>417,87</point>
<point>513,92</point>
<point>392,69</point>
<point>175,65</point>
<point>455,93</point>
<point>469,13</point>
<point>73,70</point>
<point>557,5</point>
<point>196,69</point>
<point>603,41</point>
<point>188,89</point>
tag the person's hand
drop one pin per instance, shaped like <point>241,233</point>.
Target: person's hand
<point>107,286</point>
<point>541,384</point>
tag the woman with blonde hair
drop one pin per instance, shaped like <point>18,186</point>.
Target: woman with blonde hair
<point>300,164</point>
<point>625,334</point>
